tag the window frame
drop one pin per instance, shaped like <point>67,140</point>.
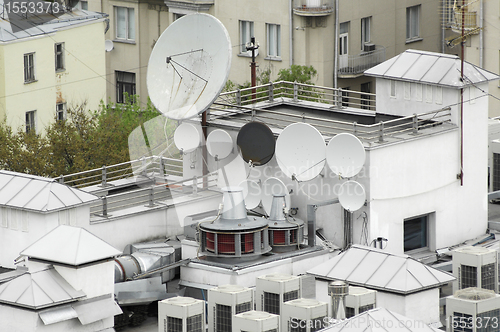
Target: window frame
<point>60,109</point>
<point>366,23</point>
<point>277,35</point>
<point>60,64</point>
<point>127,23</point>
<point>427,236</point>
<point>248,26</point>
<point>412,17</point>
<point>29,67</point>
<point>120,84</point>
<point>31,121</point>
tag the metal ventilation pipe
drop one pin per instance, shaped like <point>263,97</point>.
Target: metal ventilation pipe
<point>338,290</point>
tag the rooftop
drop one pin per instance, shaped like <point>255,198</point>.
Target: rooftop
<point>80,247</point>
<point>377,269</point>
<point>431,68</point>
<point>39,194</point>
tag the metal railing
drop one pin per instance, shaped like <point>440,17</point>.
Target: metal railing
<point>313,7</point>
<point>149,166</point>
<point>272,92</point>
<point>357,64</point>
<point>153,195</point>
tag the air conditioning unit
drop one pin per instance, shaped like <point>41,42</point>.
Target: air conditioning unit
<point>256,321</point>
<point>181,314</point>
<point>359,300</point>
<point>369,47</point>
<point>273,290</point>
<point>304,315</point>
<point>224,302</point>
<point>475,267</point>
<point>473,309</point>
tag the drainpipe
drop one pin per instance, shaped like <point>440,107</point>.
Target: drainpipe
<point>290,23</point>
<point>481,36</point>
<point>336,57</point>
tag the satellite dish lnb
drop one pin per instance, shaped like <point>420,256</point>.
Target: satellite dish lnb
<point>189,66</point>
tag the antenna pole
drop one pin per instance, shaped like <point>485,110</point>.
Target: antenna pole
<point>462,98</point>
<point>252,47</point>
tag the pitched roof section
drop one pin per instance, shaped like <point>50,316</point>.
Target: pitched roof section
<point>32,27</point>
<point>39,194</point>
<point>70,245</point>
<point>431,68</point>
<point>381,320</point>
<point>377,269</point>
<point>38,290</point>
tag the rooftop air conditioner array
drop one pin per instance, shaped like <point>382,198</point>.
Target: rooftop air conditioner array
<point>256,321</point>
<point>224,302</point>
<point>475,267</point>
<point>359,300</point>
<point>305,315</point>
<point>181,314</point>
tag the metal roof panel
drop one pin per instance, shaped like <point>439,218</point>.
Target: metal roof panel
<point>93,310</point>
<point>56,315</point>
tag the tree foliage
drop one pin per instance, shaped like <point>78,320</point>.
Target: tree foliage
<point>299,74</point>
<point>84,140</point>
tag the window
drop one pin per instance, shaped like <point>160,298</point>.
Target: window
<point>415,233</point>
<point>393,89</point>
<point>84,4</point>
<point>343,38</point>
<point>273,40</point>
<point>246,32</point>
<point>365,31</point>
<point>29,67</point>
<point>59,52</point>
<point>125,85</point>
<point>125,23</point>
<point>412,22</point>
<point>30,122</point>
<point>60,111</point>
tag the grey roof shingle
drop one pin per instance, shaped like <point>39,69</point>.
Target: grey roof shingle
<point>377,269</point>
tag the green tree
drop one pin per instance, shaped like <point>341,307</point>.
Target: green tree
<point>299,74</point>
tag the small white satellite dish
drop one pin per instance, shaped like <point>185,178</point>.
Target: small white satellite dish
<point>270,187</point>
<point>219,144</point>
<point>300,151</point>
<point>345,155</point>
<point>187,137</point>
<point>252,192</point>
<point>352,196</point>
<point>108,45</point>
<point>189,66</point>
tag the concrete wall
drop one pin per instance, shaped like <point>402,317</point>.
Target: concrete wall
<point>83,79</point>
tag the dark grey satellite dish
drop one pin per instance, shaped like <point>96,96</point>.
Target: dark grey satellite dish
<point>256,142</point>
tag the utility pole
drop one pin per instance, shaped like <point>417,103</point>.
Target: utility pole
<point>253,47</point>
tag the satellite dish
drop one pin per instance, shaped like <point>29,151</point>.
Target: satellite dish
<point>187,137</point>
<point>300,151</point>
<point>189,66</point>
<point>252,192</point>
<point>345,155</point>
<point>256,143</point>
<point>219,144</point>
<point>352,196</point>
<point>108,45</point>
<point>270,188</point>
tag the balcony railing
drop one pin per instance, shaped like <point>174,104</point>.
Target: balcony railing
<point>355,65</point>
<point>312,7</point>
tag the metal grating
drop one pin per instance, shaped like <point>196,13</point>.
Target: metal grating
<point>468,276</point>
<point>318,323</point>
<point>174,324</point>
<point>461,322</point>
<point>243,307</point>
<point>366,308</point>
<point>488,276</point>
<point>349,312</point>
<point>489,321</point>
<point>272,303</point>
<point>278,237</point>
<point>194,323</point>
<point>225,243</point>
<point>247,243</point>
<point>496,171</point>
<point>210,241</point>
<point>297,325</point>
<point>223,318</point>
<point>292,295</point>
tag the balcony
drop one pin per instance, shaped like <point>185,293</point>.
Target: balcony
<point>469,19</point>
<point>351,66</point>
<point>312,7</point>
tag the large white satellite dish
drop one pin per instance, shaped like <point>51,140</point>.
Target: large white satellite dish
<point>352,196</point>
<point>300,151</point>
<point>189,66</point>
<point>219,144</point>
<point>345,155</point>
<point>252,192</point>
<point>187,137</point>
<point>270,187</point>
